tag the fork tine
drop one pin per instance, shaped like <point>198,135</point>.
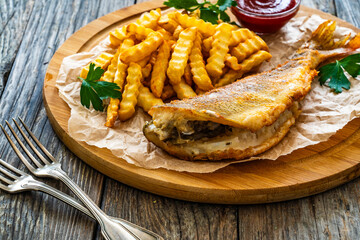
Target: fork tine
<point>37,163</point>
<point>30,144</point>
<point>47,153</point>
<point>4,187</point>
<point>17,151</point>
<point>8,181</point>
<point>7,173</point>
<point>12,168</point>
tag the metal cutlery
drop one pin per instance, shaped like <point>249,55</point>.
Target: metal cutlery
<point>111,228</point>
<point>19,181</point>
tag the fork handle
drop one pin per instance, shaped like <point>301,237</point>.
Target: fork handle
<point>142,233</point>
<point>110,229</point>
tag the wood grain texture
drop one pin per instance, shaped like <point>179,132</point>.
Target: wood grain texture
<point>322,5</point>
<point>14,16</point>
<point>330,215</point>
<point>172,219</point>
<point>345,10</point>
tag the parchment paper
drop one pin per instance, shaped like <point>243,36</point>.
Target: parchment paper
<point>323,112</point>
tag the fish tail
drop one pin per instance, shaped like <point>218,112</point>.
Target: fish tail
<point>354,43</point>
<point>323,38</point>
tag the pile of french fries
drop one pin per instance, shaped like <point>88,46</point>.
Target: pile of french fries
<point>160,57</point>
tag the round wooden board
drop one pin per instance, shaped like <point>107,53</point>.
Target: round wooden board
<point>304,172</point>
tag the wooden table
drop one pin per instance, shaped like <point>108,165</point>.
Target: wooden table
<point>30,33</point>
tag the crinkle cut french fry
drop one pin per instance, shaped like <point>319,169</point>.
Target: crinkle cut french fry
<point>153,57</point>
<point>177,31</point>
<point>109,74</point>
<point>199,91</point>
<point>188,75</point>
<point>103,61</point>
<point>183,90</point>
<point>138,30</point>
<point>131,92</point>
<point>143,49</point>
<point>119,79</point>
<point>180,56</point>
<point>219,49</point>
<point>172,44</point>
<point>158,74</point>
<point>228,78</point>
<point>118,35</point>
<point>239,36</point>
<point>168,92</point>
<point>168,23</point>
<point>206,29</point>
<point>195,14</point>
<point>146,70</point>
<point>232,62</point>
<point>206,44</point>
<point>197,64</point>
<point>255,60</point>
<point>166,35</point>
<point>144,61</point>
<point>150,19</point>
<point>146,100</point>
<point>112,112</point>
<point>250,46</point>
<point>247,65</point>
<point>120,74</point>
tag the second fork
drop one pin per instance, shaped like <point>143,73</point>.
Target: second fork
<point>50,167</point>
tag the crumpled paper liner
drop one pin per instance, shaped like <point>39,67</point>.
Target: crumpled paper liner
<point>323,112</point>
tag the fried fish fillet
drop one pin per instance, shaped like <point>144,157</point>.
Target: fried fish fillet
<point>247,117</point>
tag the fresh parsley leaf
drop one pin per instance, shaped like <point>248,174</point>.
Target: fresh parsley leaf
<point>94,74</point>
<point>209,12</point>
<point>182,4</point>
<point>106,90</point>
<point>224,4</point>
<point>334,72</point>
<point>208,15</point>
<point>224,17</point>
<point>94,91</point>
<point>352,64</point>
<point>87,95</point>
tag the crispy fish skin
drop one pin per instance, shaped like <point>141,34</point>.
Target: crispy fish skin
<point>252,102</point>
<point>256,112</point>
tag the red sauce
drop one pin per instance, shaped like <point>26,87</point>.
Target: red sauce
<point>265,16</point>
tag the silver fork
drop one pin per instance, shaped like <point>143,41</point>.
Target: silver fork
<point>18,181</point>
<point>110,229</point>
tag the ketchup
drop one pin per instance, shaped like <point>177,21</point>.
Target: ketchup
<point>265,16</point>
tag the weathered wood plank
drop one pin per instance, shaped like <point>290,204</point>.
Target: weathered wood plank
<point>327,6</point>
<point>349,11</point>
<point>14,16</point>
<point>35,215</point>
<point>287,220</point>
<point>330,215</point>
<point>172,219</point>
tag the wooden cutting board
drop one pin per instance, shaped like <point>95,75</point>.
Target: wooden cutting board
<point>307,171</point>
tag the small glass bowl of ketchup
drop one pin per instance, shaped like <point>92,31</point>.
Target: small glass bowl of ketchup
<point>265,16</point>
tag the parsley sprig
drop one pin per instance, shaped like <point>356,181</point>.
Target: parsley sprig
<point>95,91</point>
<point>334,72</point>
<point>208,11</point>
